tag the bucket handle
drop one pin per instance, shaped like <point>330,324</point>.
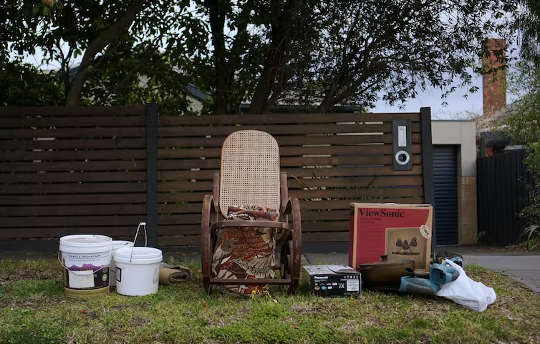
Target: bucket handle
<point>141,224</point>
<point>68,269</point>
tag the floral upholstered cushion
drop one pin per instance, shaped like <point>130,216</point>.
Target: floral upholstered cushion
<point>245,252</point>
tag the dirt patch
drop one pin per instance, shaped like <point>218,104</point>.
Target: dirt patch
<point>23,274</point>
<point>302,308</point>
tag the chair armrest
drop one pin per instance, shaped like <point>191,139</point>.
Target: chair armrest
<point>283,191</point>
<point>215,191</point>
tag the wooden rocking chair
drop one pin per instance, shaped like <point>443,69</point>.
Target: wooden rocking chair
<point>250,175</point>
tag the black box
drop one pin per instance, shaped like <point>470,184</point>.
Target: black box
<point>334,280</point>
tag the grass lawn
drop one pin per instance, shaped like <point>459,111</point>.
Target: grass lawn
<point>33,309</point>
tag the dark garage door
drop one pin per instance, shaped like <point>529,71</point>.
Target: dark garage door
<point>445,192</point>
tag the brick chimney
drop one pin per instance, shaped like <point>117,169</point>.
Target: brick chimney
<point>494,76</point>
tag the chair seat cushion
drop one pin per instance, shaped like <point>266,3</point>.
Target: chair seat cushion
<point>245,252</point>
<point>251,212</point>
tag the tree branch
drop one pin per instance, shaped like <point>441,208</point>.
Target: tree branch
<point>109,35</point>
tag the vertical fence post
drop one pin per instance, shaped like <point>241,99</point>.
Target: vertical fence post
<point>151,114</point>
<point>427,167</point>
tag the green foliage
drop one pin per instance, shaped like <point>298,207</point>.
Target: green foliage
<point>531,235</point>
<point>320,53</point>
<point>113,50</point>
<point>24,85</point>
<point>523,124</point>
<point>528,25</point>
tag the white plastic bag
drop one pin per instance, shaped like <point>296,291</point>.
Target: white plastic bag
<point>466,292</point>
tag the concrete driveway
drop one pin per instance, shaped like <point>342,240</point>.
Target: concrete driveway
<point>525,269</point>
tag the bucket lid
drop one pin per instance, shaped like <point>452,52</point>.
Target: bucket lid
<point>116,244</point>
<point>85,241</point>
<point>138,255</point>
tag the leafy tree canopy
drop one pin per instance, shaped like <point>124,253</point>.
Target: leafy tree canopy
<point>296,52</point>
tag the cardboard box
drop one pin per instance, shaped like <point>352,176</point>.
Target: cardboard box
<point>376,227</point>
<point>334,280</point>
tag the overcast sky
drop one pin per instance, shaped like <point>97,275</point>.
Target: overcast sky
<point>458,106</point>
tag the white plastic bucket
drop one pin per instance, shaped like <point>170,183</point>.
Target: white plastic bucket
<point>86,259</point>
<point>137,270</point>
<point>117,244</point>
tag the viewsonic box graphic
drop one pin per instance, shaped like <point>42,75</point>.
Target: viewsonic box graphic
<point>400,231</point>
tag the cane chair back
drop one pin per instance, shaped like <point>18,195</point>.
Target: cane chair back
<point>249,171</point>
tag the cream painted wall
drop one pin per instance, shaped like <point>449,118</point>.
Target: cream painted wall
<point>461,133</point>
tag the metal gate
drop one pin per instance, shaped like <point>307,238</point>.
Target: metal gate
<point>445,194</point>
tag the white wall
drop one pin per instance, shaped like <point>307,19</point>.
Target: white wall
<point>461,133</point>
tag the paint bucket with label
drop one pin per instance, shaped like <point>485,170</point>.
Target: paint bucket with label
<point>137,270</point>
<point>117,244</point>
<point>86,260</point>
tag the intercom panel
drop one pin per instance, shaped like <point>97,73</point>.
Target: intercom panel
<point>401,142</point>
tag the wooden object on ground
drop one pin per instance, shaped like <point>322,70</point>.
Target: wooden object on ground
<point>173,274</point>
<point>248,173</point>
<point>385,274</point>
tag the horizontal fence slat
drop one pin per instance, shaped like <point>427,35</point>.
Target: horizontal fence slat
<point>36,232</point>
<point>345,204</point>
<point>180,208</point>
<point>72,122</point>
<point>66,210</point>
<point>73,166</point>
<point>326,237</point>
<point>355,182</point>
<point>74,111</point>
<point>360,171</point>
<point>313,237</point>
<point>179,240</point>
<point>214,141</point>
<point>72,132</point>
<point>73,199</point>
<point>72,176</point>
<point>289,151</point>
<point>291,161</point>
<point>308,183</point>
<point>359,193</point>
<point>283,129</point>
<point>50,221</point>
<point>66,155</point>
<point>285,118</point>
<point>71,188</point>
<point>301,172</point>
<point>67,143</point>
<point>369,193</point>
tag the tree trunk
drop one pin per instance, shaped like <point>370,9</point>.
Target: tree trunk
<point>111,34</point>
<point>282,22</point>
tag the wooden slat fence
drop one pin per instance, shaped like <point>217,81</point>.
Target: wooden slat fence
<point>72,170</point>
<point>331,160</point>
<point>93,170</point>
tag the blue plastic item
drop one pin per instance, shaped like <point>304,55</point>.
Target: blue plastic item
<point>442,273</point>
<point>418,285</point>
<point>439,274</point>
